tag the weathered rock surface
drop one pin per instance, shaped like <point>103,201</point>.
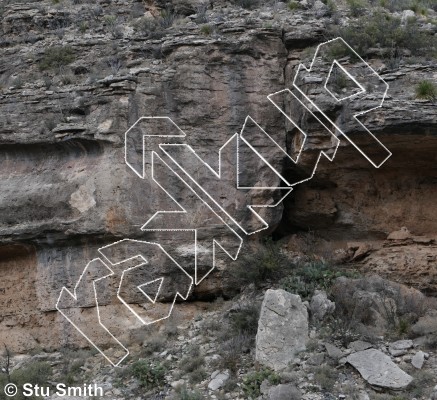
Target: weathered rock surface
<point>333,351</point>
<point>426,324</point>
<point>66,190</point>
<point>418,360</point>
<point>282,329</point>
<point>410,261</point>
<point>284,392</point>
<point>218,379</point>
<point>359,345</point>
<point>320,305</point>
<point>400,347</point>
<point>378,369</point>
<point>376,304</point>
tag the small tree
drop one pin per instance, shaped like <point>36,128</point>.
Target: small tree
<point>7,367</point>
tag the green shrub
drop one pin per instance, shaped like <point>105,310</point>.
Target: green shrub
<point>183,393</point>
<point>244,320</point>
<point>155,342</point>
<point>415,5</point>
<point>167,19</point>
<point>150,375</point>
<point>231,351</point>
<point>404,327</point>
<point>246,4</point>
<point>311,276</point>
<point>36,373</point>
<point>381,30</point>
<point>422,384</point>
<point>252,382</point>
<point>325,376</point>
<point>190,364</point>
<point>426,90</point>
<point>83,26</point>
<point>206,29</point>
<point>357,7</point>
<point>419,8</point>
<point>56,57</point>
<point>267,263</point>
<point>197,376</point>
<point>293,5</point>
<point>332,7</point>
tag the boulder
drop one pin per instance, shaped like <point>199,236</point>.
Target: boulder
<point>282,329</point>
<point>400,347</point>
<point>418,360</point>
<point>378,369</point>
<point>284,392</point>
<point>402,344</point>
<point>218,379</point>
<point>359,345</point>
<point>407,14</point>
<point>320,9</point>
<point>333,351</point>
<point>320,305</point>
<point>426,324</point>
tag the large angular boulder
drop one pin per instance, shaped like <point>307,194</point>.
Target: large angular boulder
<point>378,369</point>
<point>282,329</point>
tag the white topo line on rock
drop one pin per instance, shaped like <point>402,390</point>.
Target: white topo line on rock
<point>212,202</point>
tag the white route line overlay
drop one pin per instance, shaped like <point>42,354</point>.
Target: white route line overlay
<point>111,272</point>
<point>74,295</point>
<point>142,175</point>
<point>184,211</point>
<point>302,66</point>
<point>147,283</point>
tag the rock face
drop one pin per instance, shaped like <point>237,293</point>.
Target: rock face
<point>403,257</point>
<point>218,379</point>
<point>320,305</point>
<point>400,347</point>
<point>282,329</point>
<point>418,360</point>
<point>410,261</point>
<point>334,352</point>
<point>378,369</point>
<point>284,392</point>
<point>66,190</point>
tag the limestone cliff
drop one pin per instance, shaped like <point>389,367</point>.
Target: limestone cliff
<point>75,76</point>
